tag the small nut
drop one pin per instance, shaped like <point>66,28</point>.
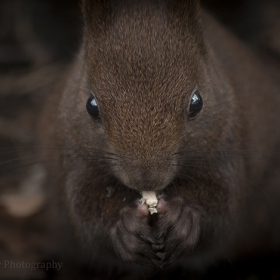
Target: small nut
<point>150,198</point>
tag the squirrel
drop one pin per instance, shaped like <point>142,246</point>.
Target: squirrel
<point>162,98</point>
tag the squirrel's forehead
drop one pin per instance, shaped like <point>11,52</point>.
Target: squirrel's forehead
<point>142,77</point>
<point>147,41</point>
<point>152,60</point>
<point>139,56</point>
<point>140,85</point>
<point>145,31</point>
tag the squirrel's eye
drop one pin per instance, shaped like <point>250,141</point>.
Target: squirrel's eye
<point>92,107</point>
<point>195,106</point>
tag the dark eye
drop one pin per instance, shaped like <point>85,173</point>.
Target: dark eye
<point>196,105</point>
<point>92,108</point>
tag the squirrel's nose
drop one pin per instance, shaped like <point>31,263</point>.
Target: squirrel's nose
<point>145,172</point>
<point>147,178</point>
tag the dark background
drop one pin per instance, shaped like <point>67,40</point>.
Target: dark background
<point>38,38</point>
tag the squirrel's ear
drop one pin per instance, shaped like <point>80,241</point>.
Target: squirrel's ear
<point>95,12</point>
<point>186,9</point>
<point>189,13</point>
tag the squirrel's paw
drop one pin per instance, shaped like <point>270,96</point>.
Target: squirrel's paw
<point>177,227</point>
<point>131,235</point>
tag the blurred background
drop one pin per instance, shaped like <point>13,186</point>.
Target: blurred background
<point>38,38</point>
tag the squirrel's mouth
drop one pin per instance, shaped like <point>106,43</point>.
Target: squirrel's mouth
<point>140,180</point>
<point>145,196</point>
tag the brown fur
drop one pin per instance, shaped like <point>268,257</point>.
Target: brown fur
<point>217,174</point>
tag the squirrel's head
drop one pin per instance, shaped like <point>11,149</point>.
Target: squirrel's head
<point>145,65</point>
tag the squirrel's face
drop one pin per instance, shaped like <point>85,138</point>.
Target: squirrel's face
<point>148,80</point>
<point>143,81</point>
